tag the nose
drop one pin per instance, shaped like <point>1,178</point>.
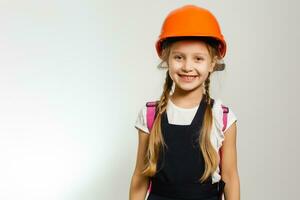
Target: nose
<point>187,66</point>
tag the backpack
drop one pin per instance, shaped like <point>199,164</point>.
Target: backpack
<point>151,114</point>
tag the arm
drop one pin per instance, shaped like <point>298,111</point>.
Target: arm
<point>139,183</point>
<point>229,165</point>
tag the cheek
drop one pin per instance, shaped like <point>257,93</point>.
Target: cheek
<point>172,73</point>
<point>174,67</point>
<point>203,68</point>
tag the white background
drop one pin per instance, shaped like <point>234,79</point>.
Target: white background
<point>74,74</point>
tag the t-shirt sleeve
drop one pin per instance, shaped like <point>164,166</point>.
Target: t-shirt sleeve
<point>141,120</point>
<point>231,118</point>
<point>218,121</point>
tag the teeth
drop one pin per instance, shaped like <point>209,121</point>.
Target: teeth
<point>188,77</point>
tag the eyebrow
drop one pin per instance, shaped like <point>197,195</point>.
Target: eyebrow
<point>204,54</point>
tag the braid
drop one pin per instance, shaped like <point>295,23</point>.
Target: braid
<point>156,140</point>
<point>166,93</point>
<point>209,154</point>
<point>207,95</point>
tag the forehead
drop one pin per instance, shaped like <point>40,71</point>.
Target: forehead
<point>189,46</point>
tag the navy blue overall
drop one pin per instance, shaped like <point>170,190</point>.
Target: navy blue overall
<point>181,164</point>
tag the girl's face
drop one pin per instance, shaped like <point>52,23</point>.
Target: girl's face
<point>189,64</point>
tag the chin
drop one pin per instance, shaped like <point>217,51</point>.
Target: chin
<point>188,87</point>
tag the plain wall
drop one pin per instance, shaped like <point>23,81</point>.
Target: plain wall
<point>74,74</point>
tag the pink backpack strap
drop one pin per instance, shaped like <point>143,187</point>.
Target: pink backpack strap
<point>225,111</point>
<point>150,115</point>
<point>225,114</point>
<point>151,108</point>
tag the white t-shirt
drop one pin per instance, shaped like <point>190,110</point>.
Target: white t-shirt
<point>184,116</point>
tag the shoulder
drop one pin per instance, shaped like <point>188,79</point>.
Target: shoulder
<point>144,113</point>
<point>219,109</point>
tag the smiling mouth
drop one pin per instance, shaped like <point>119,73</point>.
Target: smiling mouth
<point>187,78</point>
<point>182,75</point>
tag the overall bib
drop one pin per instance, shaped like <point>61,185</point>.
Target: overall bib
<point>181,164</point>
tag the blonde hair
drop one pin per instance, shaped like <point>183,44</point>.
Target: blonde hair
<point>156,140</point>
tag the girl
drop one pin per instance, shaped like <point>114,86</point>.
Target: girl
<point>189,151</point>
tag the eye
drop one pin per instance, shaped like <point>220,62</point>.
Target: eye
<point>199,58</point>
<point>177,57</point>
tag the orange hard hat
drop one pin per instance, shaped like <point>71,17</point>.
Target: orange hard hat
<point>191,20</point>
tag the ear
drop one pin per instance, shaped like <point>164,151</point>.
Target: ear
<point>163,65</point>
<point>213,64</point>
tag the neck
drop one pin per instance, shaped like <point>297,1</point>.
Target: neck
<point>187,99</point>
